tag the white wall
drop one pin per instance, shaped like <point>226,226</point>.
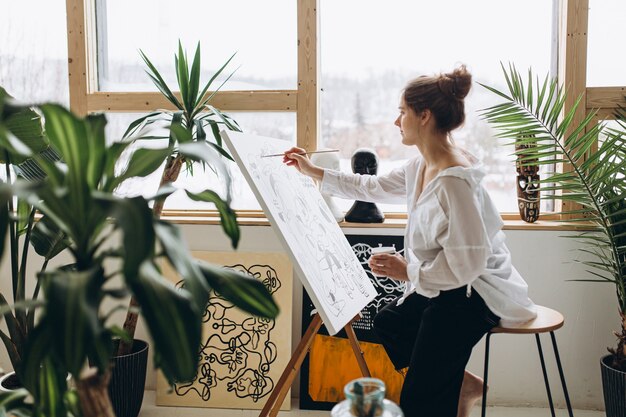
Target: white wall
<point>545,260</point>
<point>591,314</point>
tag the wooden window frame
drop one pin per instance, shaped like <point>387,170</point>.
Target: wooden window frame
<point>305,100</point>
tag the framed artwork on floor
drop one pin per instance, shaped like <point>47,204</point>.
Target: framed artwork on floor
<point>242,356</point>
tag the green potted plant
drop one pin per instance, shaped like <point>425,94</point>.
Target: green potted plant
<point>19,218</point>
<point>116,244</point>
<point>532,115</point>
<point>189,123</point>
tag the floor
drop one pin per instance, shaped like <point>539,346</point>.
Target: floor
<point>151,410</point>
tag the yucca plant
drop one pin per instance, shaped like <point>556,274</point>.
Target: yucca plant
<point>594,181</point>
<point>116,244</point>
<point>188,124</point>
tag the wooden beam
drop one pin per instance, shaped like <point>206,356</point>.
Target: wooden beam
<point>273,100</point>
<point>77,55</point>
<point>573,49</point>
<point>572,64</point>
<point>308,115</point>
<point>606,113</point>
<point>606,97</point>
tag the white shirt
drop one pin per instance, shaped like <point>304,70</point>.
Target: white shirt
<point>453,235</point>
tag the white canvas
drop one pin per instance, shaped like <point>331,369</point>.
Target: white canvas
<point>322,257</point>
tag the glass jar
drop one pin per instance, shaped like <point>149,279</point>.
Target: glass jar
<point>365,397</point>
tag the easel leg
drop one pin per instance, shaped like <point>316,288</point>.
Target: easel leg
<point>356,348</point>
<point>277,396</point>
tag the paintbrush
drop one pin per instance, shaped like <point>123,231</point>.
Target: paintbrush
<point>302,153</point>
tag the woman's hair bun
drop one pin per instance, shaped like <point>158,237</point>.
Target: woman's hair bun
<point>443,95</point>
<point>456,84</point>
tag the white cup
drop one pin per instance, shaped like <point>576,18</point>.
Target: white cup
<point>391,250</point>
<point>383,249</point>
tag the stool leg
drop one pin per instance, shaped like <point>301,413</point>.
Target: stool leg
<point>485,376</point>
<point>545,374</point>
<point>558,364</point>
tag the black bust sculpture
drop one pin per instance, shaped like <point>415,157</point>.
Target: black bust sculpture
<point>364,161</point>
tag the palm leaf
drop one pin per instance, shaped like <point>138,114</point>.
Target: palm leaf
<point>595,180</point>
<point>202,152</point>
<point>159,82</point>
<point>173,321</point>
<point>139,124</point>
<point>208,99</point>
<point>143,162</point>
<point>243,291</point>
<point>194,80</point>
<point>68,134</point>
<point>227,215</point>
<point>74,321</point>
<point>15,403</point>
<point>208,84</point>
<point>5,197</point>
<point>182,75</point>
<point>175,248</point>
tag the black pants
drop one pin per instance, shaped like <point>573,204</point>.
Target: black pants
<point>434,337</point>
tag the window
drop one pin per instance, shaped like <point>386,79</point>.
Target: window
<point>362,63</point>
<point>265,72</point>
<point>606,61</point>
<point>276,125</point>
<point>33,51</point>
<point>267,60</point>
<point>366,61</point>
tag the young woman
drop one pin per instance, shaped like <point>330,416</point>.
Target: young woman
<point>460,281</point>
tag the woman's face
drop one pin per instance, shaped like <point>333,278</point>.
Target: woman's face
<point>409,123</point>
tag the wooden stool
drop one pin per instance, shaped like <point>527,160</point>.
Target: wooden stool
<point>547,320</point>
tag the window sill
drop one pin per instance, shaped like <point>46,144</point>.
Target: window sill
<point>392,221</point>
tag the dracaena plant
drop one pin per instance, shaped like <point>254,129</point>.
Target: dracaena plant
<point>189,123</point>
<point>532,113</point>
<point>20,124</point>
<point>116,245</point>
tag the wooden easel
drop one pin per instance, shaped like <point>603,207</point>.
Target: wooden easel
<point>276,398</point>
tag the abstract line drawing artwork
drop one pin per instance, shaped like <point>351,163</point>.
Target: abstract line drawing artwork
<point>322,257</point>
<point>387,288</point>
<point>330,362</point>
<point>241,357</point>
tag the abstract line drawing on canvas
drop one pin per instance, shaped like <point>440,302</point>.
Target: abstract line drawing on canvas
<point>304,225</point>
<point>306,222</point>
<point>238,352</point>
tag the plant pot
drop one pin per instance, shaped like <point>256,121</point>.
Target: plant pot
<point>9,382</point>
<point>614,388</point>
<point>128,379</point>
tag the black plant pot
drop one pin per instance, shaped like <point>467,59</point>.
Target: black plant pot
<point>10,382</point>
<point>128,379</point>
<point>614,388</point>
